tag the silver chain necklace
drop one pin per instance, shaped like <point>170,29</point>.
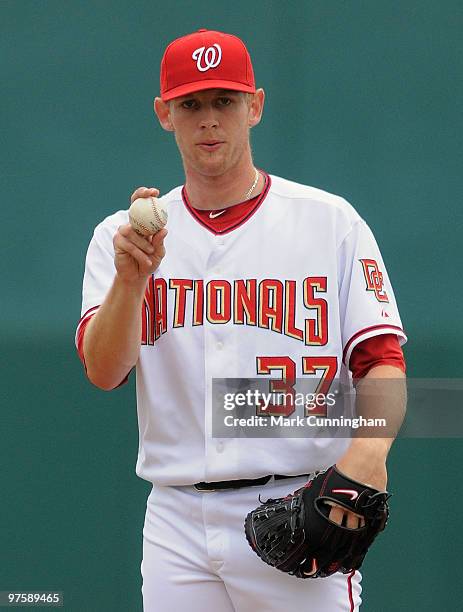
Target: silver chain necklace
<point>247,195</point>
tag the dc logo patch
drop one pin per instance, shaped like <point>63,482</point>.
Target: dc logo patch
<point>207,58</point>
<point>374,279</point>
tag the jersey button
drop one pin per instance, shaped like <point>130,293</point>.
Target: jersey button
<point>220,447</point>
<point>219,345</point>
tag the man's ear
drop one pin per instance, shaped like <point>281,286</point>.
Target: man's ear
<point>162,111</point>
<point>256,107</point>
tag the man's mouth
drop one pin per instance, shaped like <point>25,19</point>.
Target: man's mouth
<point>210,145</point>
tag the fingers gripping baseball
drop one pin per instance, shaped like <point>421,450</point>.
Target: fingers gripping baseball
<point>138,253</point>
<point>136,256</point>
<point>144,192</point>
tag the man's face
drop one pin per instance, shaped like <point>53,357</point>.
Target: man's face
<point>211,128</point>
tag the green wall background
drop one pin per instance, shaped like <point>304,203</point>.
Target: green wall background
<point>364,99</point>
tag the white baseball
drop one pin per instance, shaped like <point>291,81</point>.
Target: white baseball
<point>147,215</point>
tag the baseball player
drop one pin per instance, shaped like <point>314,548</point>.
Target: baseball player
<point>255,276</point>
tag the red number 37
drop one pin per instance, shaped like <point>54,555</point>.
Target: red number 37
<point>311,366</point>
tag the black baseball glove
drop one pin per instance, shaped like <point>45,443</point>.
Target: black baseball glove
<point>295,535</point>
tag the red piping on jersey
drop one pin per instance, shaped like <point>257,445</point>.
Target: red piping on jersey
<point>85,315</point>
<point>80,338</point>
<point>349,589</point>
<point>84,321</point>
<point>241,221</point>
<point>81,325</point>
<point>365,331</point>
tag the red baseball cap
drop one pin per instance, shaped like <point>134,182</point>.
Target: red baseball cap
<point>205,60</point>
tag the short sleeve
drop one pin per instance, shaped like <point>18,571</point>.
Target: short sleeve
<point>99,273</point>
<point>366,299</point>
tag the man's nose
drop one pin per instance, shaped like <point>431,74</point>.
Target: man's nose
<point>209,118</point>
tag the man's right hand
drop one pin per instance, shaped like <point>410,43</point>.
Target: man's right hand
<point>136,257</point>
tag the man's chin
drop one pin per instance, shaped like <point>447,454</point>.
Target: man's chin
<point>211,167</point>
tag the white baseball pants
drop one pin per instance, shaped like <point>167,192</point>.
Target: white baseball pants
<point>196,557</point>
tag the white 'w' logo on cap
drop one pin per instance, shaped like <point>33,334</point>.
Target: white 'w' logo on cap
<point>207,58</point>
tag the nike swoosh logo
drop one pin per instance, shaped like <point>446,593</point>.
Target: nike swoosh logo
<point>352,494</point>
<point>214,215</point>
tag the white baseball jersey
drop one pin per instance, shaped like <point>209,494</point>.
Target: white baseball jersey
<point>288,292</point>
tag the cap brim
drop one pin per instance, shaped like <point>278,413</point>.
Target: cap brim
<point>188,88</point>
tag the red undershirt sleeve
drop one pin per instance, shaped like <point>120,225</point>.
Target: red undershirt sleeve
<point>378,350</point>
